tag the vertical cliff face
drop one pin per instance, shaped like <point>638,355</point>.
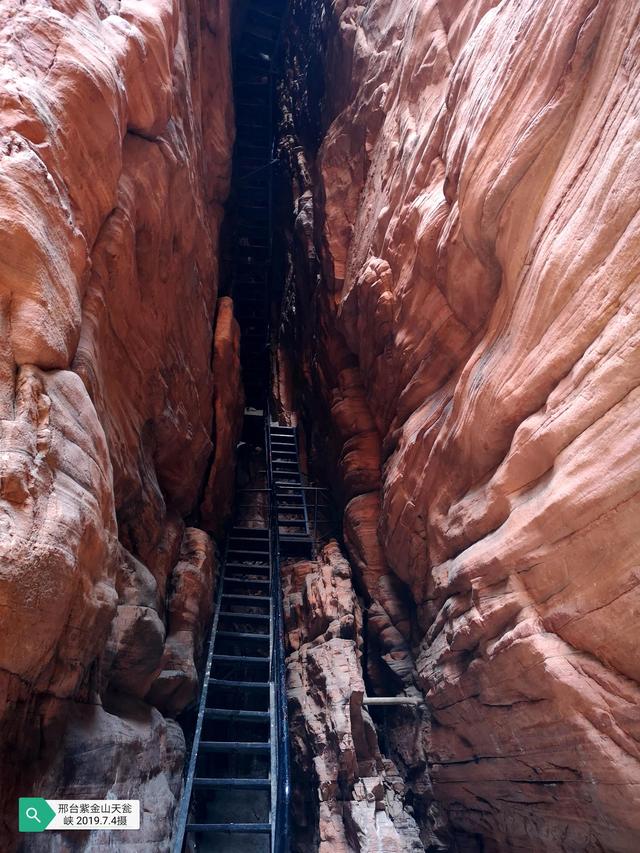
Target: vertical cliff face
<point>465,244</point>
<point>116,124</point>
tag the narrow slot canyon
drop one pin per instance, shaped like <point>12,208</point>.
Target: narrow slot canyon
<point>319,481</point>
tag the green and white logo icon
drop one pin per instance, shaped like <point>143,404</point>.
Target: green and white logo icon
<point>34,814</point>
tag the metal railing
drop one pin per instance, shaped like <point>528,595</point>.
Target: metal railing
<point>280,769</point>
<point>185,801</point>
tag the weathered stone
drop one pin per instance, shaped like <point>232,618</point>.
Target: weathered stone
<point>189,609</point>
<point>342,797</point>
<point>475,325</point>
<point>116,131</point>
<point>126,751</point>
<point>228,413</point>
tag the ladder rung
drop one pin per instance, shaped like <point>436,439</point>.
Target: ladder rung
<point>243,685</point>
<point>240,569</point>
<point>249,747</point>
<point>257,542</point>
<point>254,599</point>
<point>247,576</point>
<point>240,716</point>
<point>238,635</point>
<point>247,581</point>
<point>245,784</point>
<point>249,555</point>
<point>244,617</point>
<point>248,828</point>
<point>239,659</point>
<point>258,532</point>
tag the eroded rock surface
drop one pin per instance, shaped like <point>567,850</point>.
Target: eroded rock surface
<point>346,796</point>
<point>228,413</point>
<point>126,750</point>
<point>190,607</point>
<point>115,142</point>
<point>467,240</point>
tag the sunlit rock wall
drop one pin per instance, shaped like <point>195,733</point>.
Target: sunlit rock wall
<point>467,249</point>
<point>116,130</point>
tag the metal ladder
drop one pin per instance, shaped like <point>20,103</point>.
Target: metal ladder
<point>233,742</point>
<point>289,498</point>
<point>250,204</point>
<point>236,794</point>
<point>241,737</point>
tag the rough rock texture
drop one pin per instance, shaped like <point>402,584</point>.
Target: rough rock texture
<point>126,750</point>
<point>189,611</point>
<point>467,238</point>
<point>115,139</point>
<point>229,410</point>
<point>347,797</point>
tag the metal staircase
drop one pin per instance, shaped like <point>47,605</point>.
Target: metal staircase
<point>289,498</point>
<point>241,737</point>
<point>250,202</point>
<point>236,794</point>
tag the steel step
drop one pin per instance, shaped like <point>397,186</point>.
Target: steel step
<point>258,532</point>
<point>243,784</point>
<point>247,828</point>
<point>237,716</point>
<point>243,635</point>
<point>239,659</point>
<point>244,617</point>
<point>227,683</point>
<point>246,576</point>
<point>247,747</point>
<point>250,553</point>
<point>246,581</point>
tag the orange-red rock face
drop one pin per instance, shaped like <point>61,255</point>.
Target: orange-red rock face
<point>228,414</point>
<point>116,133</point>
<point>476,219</point>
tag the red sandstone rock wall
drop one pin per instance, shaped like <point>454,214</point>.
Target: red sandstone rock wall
<point>474,211</point>
<point>116,132</point>
<point>346,795</point>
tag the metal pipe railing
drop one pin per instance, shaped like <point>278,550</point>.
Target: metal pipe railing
<point>280,817</point>
<point>185,801</point>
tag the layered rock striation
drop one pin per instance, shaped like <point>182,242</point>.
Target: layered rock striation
<point>116,132</point>
<point>466,247</point>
